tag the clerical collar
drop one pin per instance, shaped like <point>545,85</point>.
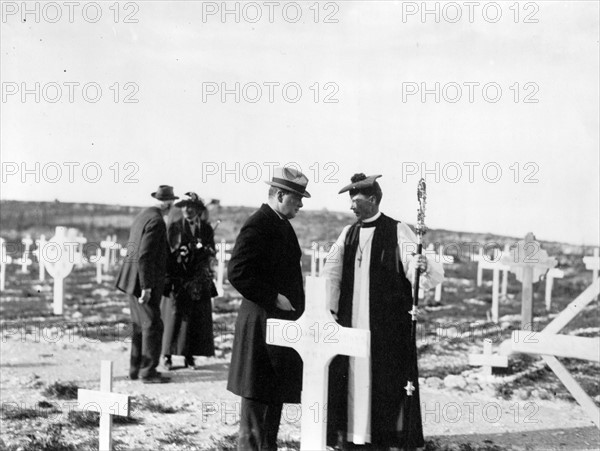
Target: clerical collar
<point>371,222</point>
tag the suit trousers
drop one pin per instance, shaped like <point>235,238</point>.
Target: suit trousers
<point>147,335</point>
<point>259,425</point>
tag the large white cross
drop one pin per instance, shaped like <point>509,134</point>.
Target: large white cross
<point>529,262</point>
<point>593,263</point>
<point>106,403</point>
<point>58,260</point>
<point>318,338</point>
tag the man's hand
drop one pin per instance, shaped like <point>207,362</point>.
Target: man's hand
<point>284,303</point>
<point>420,261</point>
<point>145,297</point>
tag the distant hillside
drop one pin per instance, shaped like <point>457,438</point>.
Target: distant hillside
<point>96,221</point>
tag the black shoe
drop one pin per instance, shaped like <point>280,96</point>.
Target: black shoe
<point>133,376</point>
<point>156,379</point>
<point>189,363</point>
<point>167,364</point>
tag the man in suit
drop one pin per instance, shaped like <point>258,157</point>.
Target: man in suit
<point>142,276</point>
<point>265,269</point>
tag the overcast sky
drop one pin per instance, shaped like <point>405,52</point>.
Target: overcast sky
<point>508,135</point>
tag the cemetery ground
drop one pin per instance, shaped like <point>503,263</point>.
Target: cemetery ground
<point>45,358</point>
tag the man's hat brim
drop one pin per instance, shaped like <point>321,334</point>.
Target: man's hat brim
<point>366,183</point>
<point>288,188</point>
<point>163,198</point>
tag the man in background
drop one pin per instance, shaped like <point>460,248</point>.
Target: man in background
<point>142,276</point>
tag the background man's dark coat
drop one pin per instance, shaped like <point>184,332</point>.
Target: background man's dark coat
<point>265,261</point>
<point>144,267</point>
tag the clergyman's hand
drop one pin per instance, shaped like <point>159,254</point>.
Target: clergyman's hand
<point>420,261</point>
<point>284,303</point>
<point>145,297</point>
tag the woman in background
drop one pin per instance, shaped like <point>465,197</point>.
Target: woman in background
<point>187,308</point>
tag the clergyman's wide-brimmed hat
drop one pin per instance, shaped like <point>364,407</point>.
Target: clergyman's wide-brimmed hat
<point>191,198</point>
<point>289,179</point>
<point>164,192</point>
<point>360,183</point>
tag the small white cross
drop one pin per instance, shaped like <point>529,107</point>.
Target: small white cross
<point>410,388</point>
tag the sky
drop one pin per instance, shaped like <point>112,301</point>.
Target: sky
<point>495,104</point>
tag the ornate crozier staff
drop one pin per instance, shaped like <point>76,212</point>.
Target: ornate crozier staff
<point>421,229</point>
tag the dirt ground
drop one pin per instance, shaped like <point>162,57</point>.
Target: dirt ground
<point>523,408</point>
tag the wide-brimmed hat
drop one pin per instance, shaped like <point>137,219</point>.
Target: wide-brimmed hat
<point>360,182</point>
<point>191,198</point>
<point>290,179</point>
<point>164,192</point>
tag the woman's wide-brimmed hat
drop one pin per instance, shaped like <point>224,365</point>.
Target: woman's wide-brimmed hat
<point>191,198</point>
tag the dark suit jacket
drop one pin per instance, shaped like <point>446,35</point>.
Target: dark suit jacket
<point>265,261</point>
<point>145,264</point>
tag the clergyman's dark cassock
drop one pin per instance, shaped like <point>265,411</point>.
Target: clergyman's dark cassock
<point>144,267</point>
<point>395,417</point>
<point>187,312</point>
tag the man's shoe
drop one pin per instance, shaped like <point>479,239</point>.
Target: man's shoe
<point>133,376</point>
<point>189,363</point>
<point>156,379</point>
<point>167,364</point>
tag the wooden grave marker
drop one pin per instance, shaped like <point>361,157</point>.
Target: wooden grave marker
<point>488,360</point>
<point>317,255</point>
<point>593,263</point>
<point>318,338</point>
<point>106,403</point>
<point>39,253</point>
<point>528,262</point>
<point>58,260</point>
<point>548,344</point>
<point>553,273</point>
<point>108,245</point>
<point>99,263</point>
<point>25,260</point>
<point>4,260</point>
<point>222,257</point>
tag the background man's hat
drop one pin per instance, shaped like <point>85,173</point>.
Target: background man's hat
<point>359,182</point>
<point>164,192</point>
<point>191,198</point>
<point>290,179</point>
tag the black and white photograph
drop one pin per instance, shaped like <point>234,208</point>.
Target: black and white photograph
<point>300,225</point>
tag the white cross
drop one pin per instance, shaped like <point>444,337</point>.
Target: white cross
<point>107,245</point>
<point>106,403</point>
<point>58,260</point>
<point>529,262</point>
<point>593,263</point>
<point>318,338</point>
<point>39,253</point>
<point>318,255</point>
<point>25,260</point>
<point>222,257</point>
<point>99,262</point>
<point>487,360</point>
<point>4,260</point>
<point>553,273</point>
